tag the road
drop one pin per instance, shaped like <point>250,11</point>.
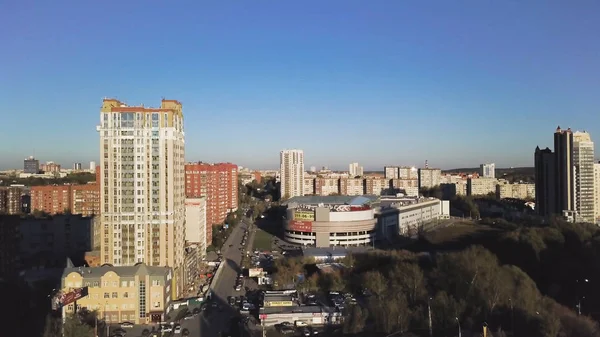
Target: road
<point>212,323</point>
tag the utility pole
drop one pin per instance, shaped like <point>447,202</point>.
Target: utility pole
<point>429,314</point>
<point>512,317</point>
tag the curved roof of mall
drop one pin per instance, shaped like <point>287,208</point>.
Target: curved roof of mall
<point>352,200</point>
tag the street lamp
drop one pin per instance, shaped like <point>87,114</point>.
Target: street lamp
<point>579,298</point>
<point>512,316</point>
<point>459,329</point>
<point>429,314</point>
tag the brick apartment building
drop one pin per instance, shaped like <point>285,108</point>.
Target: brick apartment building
<point>218,184</point>
<point>78,199</point>
<point>11,200</point>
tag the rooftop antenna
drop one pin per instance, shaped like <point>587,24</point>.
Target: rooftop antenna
<point>426,164</point>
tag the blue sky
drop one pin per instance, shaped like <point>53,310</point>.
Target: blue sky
<point>456,83</point>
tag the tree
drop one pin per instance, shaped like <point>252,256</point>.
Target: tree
<point>74,327</point>
<point>355,320</point>
<point>375,282</point>
<point>52,326</point>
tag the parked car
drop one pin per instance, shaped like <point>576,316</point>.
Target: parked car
<point>126,325</point>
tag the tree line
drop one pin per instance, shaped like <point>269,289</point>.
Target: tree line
<point>470,287</point>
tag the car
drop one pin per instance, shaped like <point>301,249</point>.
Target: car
<point>126,325</point>
<point>230,245</point>
<point>190,316</point>
<point>119,331</point>
<point>286,330</point>
<point>185,332</point>
<point>177,329</point>
<point>305,332</point>
<point>167,328</point>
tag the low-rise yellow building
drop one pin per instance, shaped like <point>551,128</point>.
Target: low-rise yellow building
<point>138,294</point>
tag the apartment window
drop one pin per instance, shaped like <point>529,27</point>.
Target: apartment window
<point>125,295</point>
<point>114,295</point>
<point>106,295</point>
<point>142,299</point>
<point>123,283</point>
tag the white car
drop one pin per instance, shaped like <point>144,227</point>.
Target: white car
<point>167,328</point>
<point>126,325</point>
<point>178,329</point>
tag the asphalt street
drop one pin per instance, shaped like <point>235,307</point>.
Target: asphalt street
<point>212,323</point>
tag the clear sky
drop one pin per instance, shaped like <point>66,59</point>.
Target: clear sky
<point>456,83</point>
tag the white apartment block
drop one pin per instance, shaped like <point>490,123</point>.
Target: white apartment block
<point>376,186</point>
<point>195,222</point>
<point>429,177</point>
<point>504,189</point>
<point>583,160</point>
<point>405,172</point>
<point>354,170</point>
<point>391,172</point>
<point>142,184</point>
<point>597,191</point>
<point>291,170</point>
<point>481,186</point>
<point>487,170</point>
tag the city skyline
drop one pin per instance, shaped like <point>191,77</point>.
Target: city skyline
<point>357,69</point>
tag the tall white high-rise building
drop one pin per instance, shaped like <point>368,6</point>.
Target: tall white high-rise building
<point>583,162</point>
<point>597,192</point>
<point>291,170</point>
<point>354,170</point>
<point>92,166</point>
<point>487,170</point>
<point>142,184</point>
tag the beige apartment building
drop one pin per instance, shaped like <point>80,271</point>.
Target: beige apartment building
<point>309,185</point>
<point>597,191</point>
<point>352,186</point>
<point>142,184</point>
<point>481,186</point>
<point>138,294</point>
<point>504,189</point>
<point>291,171</point>
<point>429,177</point>
<point>327,186</point>
<point>375,186</point>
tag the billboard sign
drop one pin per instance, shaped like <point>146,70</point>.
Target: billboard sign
<point>270,304</point>
<point>255,272</point>
<point>300,226</point>
<point>72,296</point>
<point>304,215</point>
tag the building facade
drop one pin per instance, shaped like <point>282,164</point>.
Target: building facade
<point>196,229</point>
<point>487,170</point>
<point>597,192</point>
<point>565,173</point>
<point>583,160</point>
<point>291,170</point>
<point>218,183</point>
<point>355,170</point>
<point>31,166</point>
<point>48,241</point>
<point>324,221</point>
<point>406,216</point>
<point>142,187</point>
<point>11,199</point>
<point>138,294</point>
<point>429,177</point>
<point>57,199</point>
<point>9,245</point>
<point>523,191</point>
<point>481,186</point>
